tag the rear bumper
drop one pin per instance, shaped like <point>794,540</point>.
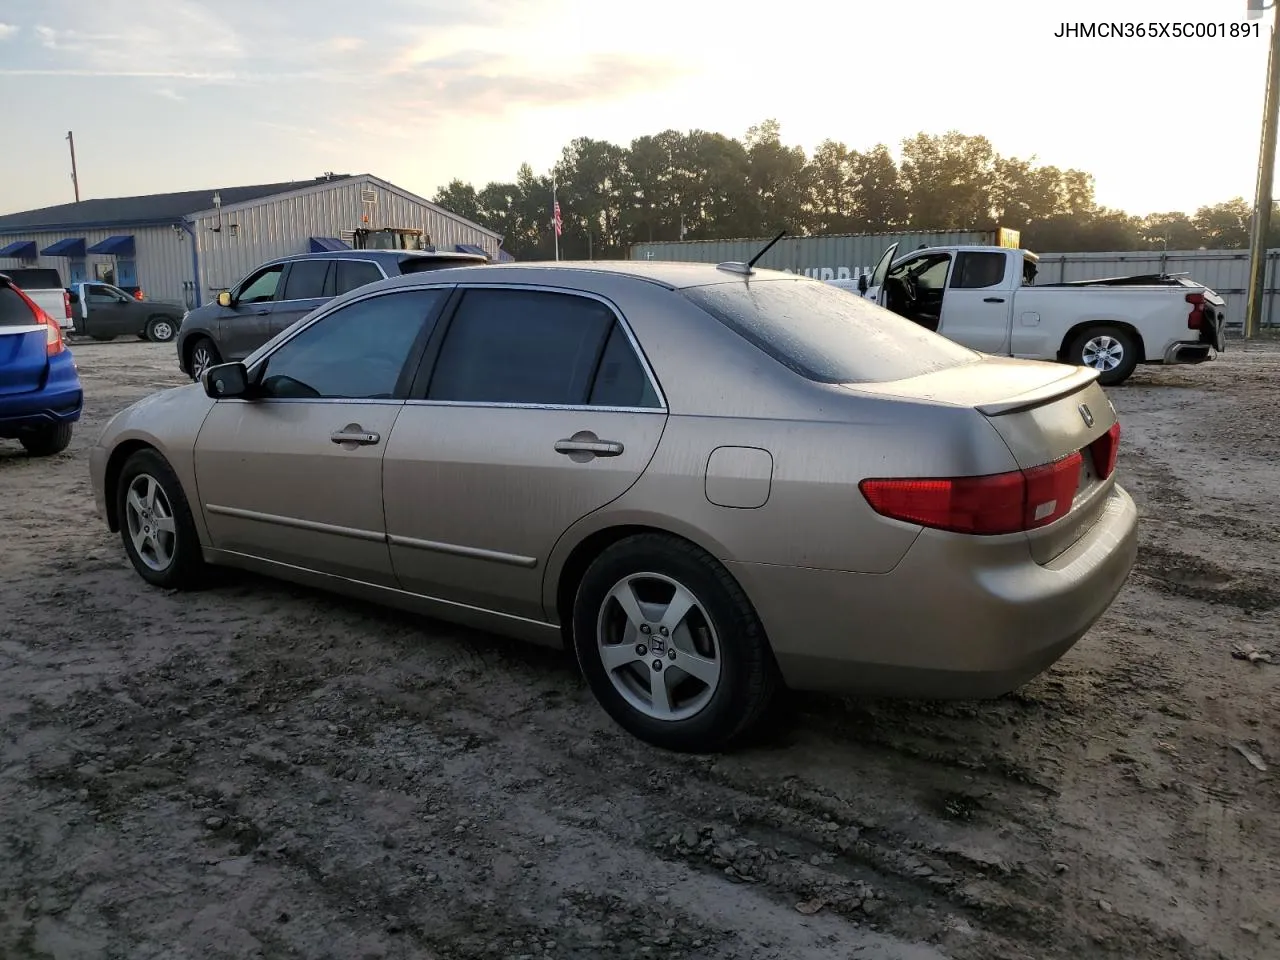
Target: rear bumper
<point>61,400</point>
<point>945,623</point>
<point>1188,352</point>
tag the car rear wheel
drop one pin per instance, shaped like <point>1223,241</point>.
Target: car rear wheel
<point>160,329</point>
<point>203,356</point>
<point>671,646</point>
<point>156,526</point>
<point>1109,350</point>
<point>47,441</point>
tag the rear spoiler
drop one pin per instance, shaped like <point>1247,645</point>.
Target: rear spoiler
<point>1077,379</point>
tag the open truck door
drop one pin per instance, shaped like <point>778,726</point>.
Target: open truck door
<point>881,271</point>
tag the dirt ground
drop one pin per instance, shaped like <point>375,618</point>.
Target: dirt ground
<point>258,770</point>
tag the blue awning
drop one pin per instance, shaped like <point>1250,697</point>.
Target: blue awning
<point>72,247</point>
<point>114,246</point>
<point>326,245</point>
<point>20,249</point>
<point>470,248</point>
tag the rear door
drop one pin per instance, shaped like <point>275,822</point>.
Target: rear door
<point>538,410</point>
<point>978,301</point>
<point>303,291</point>
<point>23,345</point>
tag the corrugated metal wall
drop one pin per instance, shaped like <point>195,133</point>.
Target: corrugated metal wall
<point>837,257</point>
<point>163,256</point>
<point>1224,271</point>
<point>278,227</point>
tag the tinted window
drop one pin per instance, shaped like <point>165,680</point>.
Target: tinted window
<point>822,333</point>
<point>419,264</point>
<point>977,270</point>
<point>262,286</point>
<point>355,273</point>
<point>356,352</point>
<point>97,293</point>
<point>14,311</point>
<point>620,379</point>
<point>518,346</point>
<point>305,280</point>
<point>31,278</point>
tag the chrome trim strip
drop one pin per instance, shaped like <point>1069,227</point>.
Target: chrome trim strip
<point>453,549</point>
<point>578,408</point>
<point>315,526</point>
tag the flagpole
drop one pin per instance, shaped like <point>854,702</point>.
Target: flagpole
<point>554,232</point>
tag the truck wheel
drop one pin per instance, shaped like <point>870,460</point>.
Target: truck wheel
<point>160,329</point>
<point>1109,350</point>
<point>47,441</point>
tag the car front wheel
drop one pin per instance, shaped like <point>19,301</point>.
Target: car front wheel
<point>203,356</point>
<point>156,526</point>
<point>671,646</point>
<point>160,329</point>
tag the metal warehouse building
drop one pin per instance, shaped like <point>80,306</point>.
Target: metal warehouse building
<point>189,246</point>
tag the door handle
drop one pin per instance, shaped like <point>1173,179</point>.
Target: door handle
<point>263,313</point>
<point>355,436</point>
<point>599,448</point>
<point>993,300</point>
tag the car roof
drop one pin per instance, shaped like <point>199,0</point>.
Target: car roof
<point>393,255</point>
<point>669,274</point>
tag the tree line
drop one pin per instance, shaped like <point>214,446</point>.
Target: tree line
<point>697,185</point>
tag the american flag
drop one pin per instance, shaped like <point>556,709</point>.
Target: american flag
<point>555,217</point>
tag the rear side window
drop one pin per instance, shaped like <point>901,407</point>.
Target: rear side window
<point>355,273</point>
<point>977,270</point>
<point>31,278</point>
<point>620,379</point>
<point>824,334</point>
<point>422,264</point>
<point>522,346</point>
<point>305,280</point>
<point>14,311</point>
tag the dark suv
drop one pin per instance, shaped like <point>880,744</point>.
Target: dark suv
<point>271,298</point>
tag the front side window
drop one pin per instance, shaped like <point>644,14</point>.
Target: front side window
<point>357,352</point>
<point>100,293</point>
<point>356,273</point>
<point>261,287</point>
<point>524,346</point>
<point>306,279</point>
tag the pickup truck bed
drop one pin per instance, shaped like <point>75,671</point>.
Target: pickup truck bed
<point>44,287</point>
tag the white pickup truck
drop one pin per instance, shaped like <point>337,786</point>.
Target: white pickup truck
<point>986,298</point>
<point>44,286</point>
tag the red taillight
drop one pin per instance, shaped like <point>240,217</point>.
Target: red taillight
<point>1195,319</point>
<point>999,503</point>
<point>53,333</point>
<point>66,304</point>
<point>137,295</point>
<point>1105,450</point>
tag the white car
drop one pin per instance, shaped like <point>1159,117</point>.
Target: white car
<point>986,298</point>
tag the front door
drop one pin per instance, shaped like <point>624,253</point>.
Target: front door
<point>106,311</point>
<point>304,291</point>
<point>246,324</point>
<point>295,475</point>
<point>979,300</point>
<point>538,411</point>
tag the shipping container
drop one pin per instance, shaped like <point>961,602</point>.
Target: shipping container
<point>835,257</point>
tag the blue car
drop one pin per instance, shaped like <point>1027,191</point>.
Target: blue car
<point>40,392</point>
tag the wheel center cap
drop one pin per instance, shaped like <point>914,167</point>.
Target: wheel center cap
<point>657,644</point>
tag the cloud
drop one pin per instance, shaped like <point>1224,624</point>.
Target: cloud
<point>343,44</point>
<point>169,94</point>
<point>7,30</point>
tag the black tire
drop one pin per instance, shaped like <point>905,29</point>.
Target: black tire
<point>1105,334</point>
<point>161,330</point>
<point>748,678</point>
<point>185,567</point>
<point>47,441</point>
<point>102,337</point>
<point>194,352</point>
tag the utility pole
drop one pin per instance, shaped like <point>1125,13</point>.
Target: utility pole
<point>1266,172</point>
<point>75,180</point>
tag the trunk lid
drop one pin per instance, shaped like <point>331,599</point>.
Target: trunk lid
<point>24,345</point>
<point>1043,412</point>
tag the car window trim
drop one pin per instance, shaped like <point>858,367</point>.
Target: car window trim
<point>285,263</point>
<point>422,381</point>
<point>403,382</point>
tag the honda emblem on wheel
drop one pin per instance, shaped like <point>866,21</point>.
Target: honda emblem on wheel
<point>1086,414</point>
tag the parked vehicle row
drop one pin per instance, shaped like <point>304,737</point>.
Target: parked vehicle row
<point>705,481</point>
<point>987,298</point>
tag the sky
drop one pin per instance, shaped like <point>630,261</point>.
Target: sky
<point>192,94</point>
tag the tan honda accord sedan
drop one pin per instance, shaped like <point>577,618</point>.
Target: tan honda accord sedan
<point>707,481</point>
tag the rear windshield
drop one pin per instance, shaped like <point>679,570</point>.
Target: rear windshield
<point>29,278</point>
<point>14,311</point>
<point>827,334</point>
<point>420,264</point>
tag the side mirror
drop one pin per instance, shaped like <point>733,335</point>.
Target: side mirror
<point>224,298</point>
<point>226,381</point>
<point>862,283</point>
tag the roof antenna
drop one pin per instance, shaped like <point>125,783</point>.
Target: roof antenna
<point>745,269</point>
